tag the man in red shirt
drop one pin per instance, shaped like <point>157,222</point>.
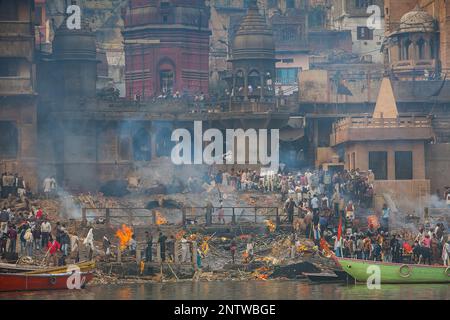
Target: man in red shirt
<point>53,246</point>
<point>39,214</point>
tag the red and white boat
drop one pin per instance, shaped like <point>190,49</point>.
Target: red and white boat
<point>31,282</point>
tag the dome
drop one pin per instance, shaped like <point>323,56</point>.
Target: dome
<point>417,20</point>
<point>254,39</point>
<point>77,44</point>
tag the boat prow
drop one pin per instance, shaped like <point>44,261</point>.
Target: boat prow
<point>361,270</point>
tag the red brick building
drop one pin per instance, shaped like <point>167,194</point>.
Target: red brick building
<point>166,47</point>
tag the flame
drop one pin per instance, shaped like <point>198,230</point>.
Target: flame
<point>245,256</point>
<point>160,219</point>
<point>270,225</point>
<point>124,236</point>
<point>325,248</point>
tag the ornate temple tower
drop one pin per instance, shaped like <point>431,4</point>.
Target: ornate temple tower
<point>253,60</point>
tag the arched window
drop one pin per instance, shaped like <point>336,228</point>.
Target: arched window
<point>166,73</point>
<point>406,46</point>
<point>421,49</point>
<point>268,81</point>
<point>164,144</point>
<point>141,145</point>
<point>254,83</point>
<point>9,140</point>
<point>239,83</point>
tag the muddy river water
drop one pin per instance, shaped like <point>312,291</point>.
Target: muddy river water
<point>251,290</point>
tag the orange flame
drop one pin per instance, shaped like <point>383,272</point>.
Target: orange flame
<point>160,219</point>
<point>270,225</point>
<point>124,236</point>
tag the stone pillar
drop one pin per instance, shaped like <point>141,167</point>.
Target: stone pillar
<point>108,217</point>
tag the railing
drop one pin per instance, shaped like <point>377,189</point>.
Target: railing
<point>183,216</point>
<point>399,122</point>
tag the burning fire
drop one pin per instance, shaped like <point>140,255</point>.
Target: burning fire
<point>245,256</point>
<point>270,225</point>
<point>160,219</point>
<point>124,236</point>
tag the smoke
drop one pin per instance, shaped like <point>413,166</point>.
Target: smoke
<point>69,203</point>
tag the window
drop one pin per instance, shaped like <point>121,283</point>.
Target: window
<point>165,5</point>
<point>362,4</point>
<point>364,33</point>
<point>403,165</point>
<point>420,49</point>
<point>166,81</point>
<point>9,67</point>
<point>9,140</point>
<point>287,34</point>
<point>405,49</point>
<point>165,19</point>
<point>287,60</point>
<point>378,164</point>
<point>290,4</point>
<point>8,10</point>
<point>287,75</point>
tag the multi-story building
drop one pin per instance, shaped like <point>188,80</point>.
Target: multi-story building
<point>367,34</point>
<point>166,47</point>
<point>18,98</point>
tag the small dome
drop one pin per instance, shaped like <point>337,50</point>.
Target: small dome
<point>417,20</point>
<point>76,44</point>
<point>254,39</point>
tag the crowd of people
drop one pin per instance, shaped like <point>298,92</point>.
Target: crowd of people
<point>35,236</point>
<point>12,183</point>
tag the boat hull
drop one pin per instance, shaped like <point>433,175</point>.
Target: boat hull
<point>27,282</point>
<point>395,272</point>
<point>85,266</point>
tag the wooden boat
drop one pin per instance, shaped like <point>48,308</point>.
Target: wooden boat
<point>31,282</point>
<point>395,272</point>
<point>84,266</point>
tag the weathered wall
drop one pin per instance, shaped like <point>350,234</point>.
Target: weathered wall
<point>438,166</point>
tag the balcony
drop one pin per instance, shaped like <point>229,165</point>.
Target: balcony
<point>418,66</point>
<point>10,86</point>
<point>370,129</point>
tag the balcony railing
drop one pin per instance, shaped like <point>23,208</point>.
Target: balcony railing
<point>370,129</point>
<point>409,65</point>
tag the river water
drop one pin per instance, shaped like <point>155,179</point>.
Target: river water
<point>240,290</point>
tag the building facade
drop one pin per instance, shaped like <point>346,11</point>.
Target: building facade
<point>18,99</point>
<point>166,47</point>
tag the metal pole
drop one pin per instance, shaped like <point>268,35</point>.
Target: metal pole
<point>255,214</point>
<point>107,217</point>
<point>233,218</point>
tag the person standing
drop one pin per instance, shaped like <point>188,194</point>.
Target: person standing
<point>162,246</point>
<point>208,213</point>
<point>12,236</point>
<point>75,247</point>
<point>220,215</point>
<point>46,229</point>
<point>29,242</point>
<point>446,253</point>
<point>37,236</point>
<point>426,249</point>
<point>65,242</point>
<point>290,206</point>
<point>53,246</point>
<point>133,245</point>
<point>149,246</point>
